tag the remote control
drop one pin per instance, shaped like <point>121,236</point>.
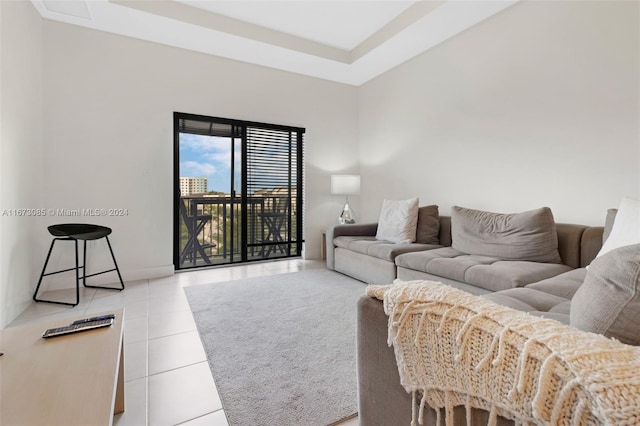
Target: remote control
<point>74,328</point>
<point>101,317</point>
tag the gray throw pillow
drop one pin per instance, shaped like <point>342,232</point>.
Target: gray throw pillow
<point>529,236</point>
<point>608,302</point>
<point>428,225</point>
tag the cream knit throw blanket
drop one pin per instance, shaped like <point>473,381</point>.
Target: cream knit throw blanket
<point>453,348</point>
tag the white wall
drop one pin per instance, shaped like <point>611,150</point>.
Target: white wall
<point>21,161</point>
<point>109,103</point>
<point>538,105</point>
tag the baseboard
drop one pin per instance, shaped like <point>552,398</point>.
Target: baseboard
<point>148,273</point>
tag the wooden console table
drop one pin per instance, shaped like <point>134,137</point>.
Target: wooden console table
<point>77,379</point>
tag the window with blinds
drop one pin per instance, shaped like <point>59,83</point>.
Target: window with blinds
<point>250,202</point>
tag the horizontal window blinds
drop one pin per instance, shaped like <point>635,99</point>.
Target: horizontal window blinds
<point>273,179</point>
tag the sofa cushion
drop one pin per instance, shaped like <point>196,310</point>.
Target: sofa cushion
<point>419,261</point>
<point>535,302</point>
<point>380,249</point>
<point>563,308</point>
<point>389,252</point>
<point>345,241</point>
<point>428,225</point>
<point>482,271</point>
<point>502,274</point>
<point>527,298</point>
<point>398,221</point>
<point>456,268</point>
<point>527,236</point>
<point>563,285</point>
<point>609,300</point>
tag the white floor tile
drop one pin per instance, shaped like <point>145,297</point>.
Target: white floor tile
<point>161,325</point>
<point>39,310</point>
<point>168,302</point>
<point>139,291</point>
<point>178,350</point>
<point>135,330</point>
<point>67,295</point>
<point>134,310</point>
<point>132,293</point>
<point>180,279</point>
<point>204,276</point>
<point>92,311</point>
<point>135,404</point>
<point>216,418</point>
<point>181,395</point>
<point>109,298</point>
<point>131,285</point>
<point>135,360</point>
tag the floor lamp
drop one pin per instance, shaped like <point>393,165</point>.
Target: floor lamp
<point>345,185</point>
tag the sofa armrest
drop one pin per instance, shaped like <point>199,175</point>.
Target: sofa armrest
<point>360,230</point>
<point>591,244</point>
<point>569,240</point>
<point>381,398</point>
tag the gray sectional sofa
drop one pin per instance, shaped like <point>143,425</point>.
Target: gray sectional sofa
<point>540,288</point>
<point>532,286</point>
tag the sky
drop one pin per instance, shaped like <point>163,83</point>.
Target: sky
<point>209,156</point>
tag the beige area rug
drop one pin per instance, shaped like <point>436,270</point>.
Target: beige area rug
<point>281,348</point>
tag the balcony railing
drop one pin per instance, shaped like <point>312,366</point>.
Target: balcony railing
<point>211,230</point>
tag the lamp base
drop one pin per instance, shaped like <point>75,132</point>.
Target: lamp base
<point>346,217</point>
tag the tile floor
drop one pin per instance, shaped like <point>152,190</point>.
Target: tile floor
<point>167,377</point>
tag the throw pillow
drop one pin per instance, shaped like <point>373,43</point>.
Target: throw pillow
<point>527,236</point>
<point>398,221</point>
<point>428,225</point>
<point>626,226</point>
<point>608,302</point>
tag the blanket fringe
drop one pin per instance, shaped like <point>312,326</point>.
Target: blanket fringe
<point>413,409</point>
<point>493,416</point>
<point>423,402</point>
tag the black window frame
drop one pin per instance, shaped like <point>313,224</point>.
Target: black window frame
<point>242,126</point>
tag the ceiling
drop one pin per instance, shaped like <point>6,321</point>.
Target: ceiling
<point>348,41</point>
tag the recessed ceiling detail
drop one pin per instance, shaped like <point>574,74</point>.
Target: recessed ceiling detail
<point>345,41</point>
<point>340,24</point>
<point>78,9</point>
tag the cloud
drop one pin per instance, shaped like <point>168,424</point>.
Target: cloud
<point>194,168</point>
<point>203,143</point>
<point>222,158</point>
<point>213,149</point>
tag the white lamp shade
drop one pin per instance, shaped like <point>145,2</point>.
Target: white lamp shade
<point>345,184</point>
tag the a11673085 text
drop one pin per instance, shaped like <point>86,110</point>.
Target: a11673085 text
<point>57,212</point>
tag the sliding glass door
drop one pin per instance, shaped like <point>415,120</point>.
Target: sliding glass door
<point>236,191</point>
